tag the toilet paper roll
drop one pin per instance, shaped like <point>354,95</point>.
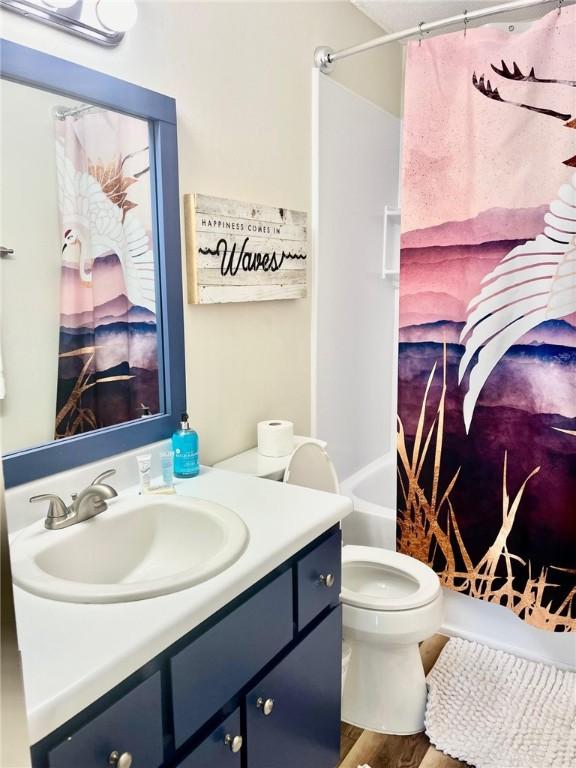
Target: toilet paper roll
<point>275,438</point>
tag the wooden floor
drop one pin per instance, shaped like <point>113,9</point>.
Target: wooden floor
<point>358,747</point>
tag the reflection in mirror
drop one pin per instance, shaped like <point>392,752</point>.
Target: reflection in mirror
<point>79,339</point>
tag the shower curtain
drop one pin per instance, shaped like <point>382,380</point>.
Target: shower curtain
<point>107,367</point>
<point>487,358</point>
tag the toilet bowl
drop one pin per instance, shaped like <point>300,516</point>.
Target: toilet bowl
<point>390,603</point>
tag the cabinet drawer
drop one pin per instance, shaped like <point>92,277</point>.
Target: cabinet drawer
<point>214,752</point>
<point>213,668</point>
<point>133,724</point>
<point>293,714</point>
<point>314,595</point>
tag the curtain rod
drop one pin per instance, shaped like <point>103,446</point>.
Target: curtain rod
<point>61,112</point>
<point>324,56</point>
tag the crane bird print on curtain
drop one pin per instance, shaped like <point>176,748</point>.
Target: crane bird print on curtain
<point>108,343</point>
<point>533,283</point>
<point>487,354</point>
<point>96,222</point>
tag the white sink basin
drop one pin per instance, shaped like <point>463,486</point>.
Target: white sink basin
<point>137,548</point>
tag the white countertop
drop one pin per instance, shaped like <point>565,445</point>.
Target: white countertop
<point>74,653</point>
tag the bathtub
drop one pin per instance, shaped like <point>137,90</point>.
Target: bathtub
<point>373,523</point>
<point>373,493</point>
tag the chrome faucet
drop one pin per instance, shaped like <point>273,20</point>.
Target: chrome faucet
<point>86,504</point>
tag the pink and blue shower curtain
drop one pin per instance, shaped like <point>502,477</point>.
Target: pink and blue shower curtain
<point>107,366</point>
<point>487,360</point>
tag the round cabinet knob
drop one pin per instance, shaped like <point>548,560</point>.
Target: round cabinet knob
<point>234,742</point>
<point>266,705</point>
<point>120,760</point>
<point>327,580</point>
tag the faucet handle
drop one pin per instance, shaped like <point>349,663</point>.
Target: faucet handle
<point>57,508</point>
<point>108,490</point>
<point>103,476</point>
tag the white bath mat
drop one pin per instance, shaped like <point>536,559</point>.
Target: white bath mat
<point>495,710</point>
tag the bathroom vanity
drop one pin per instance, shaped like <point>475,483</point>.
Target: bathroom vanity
<point>262,676</point>
<point>243,669</point>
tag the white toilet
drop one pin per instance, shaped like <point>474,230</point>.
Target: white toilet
<point>391,602</point>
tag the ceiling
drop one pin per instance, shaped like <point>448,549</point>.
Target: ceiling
<point>395,15</point>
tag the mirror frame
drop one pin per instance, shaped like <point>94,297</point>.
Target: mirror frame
<point>30,67</point>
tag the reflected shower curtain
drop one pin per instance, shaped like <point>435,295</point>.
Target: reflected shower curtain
<point>487,359</point>
<point>107,368</point>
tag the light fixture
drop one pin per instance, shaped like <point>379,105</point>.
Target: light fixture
<point>101,21</point>
<point>117,15</point>
<point>60,3</point>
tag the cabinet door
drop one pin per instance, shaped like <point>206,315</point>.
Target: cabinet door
<point>293,714</point>
<point>132,724</point>
<point>222,749</point>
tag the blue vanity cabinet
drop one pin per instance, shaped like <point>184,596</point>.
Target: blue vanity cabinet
<point>227,656</point>
<point>221,749</point>
<point>293,714</point>
<point>132,724</point>
<point>255,686</point>
<point>318,580</point>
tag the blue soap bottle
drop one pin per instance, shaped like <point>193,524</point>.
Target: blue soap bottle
<point>185,447</point>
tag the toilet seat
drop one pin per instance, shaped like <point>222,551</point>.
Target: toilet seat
<point>381,580</point>
<point>310,466</point>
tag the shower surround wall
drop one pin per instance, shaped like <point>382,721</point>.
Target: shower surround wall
<point>356,151</point>
<point>487,361</point>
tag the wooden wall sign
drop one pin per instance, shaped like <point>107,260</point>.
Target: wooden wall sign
<point>243,252</point>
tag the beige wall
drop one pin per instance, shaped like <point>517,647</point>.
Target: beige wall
<point>240,73</point>
<point>14,751</point>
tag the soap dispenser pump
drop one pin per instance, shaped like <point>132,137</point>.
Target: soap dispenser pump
<point>185,447</point>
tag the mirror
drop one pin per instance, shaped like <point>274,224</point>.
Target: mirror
<point>80,346</point>
<point>91,326</point>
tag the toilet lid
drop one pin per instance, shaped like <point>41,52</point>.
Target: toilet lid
<point>382,580</point>
<point>310,466</point>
